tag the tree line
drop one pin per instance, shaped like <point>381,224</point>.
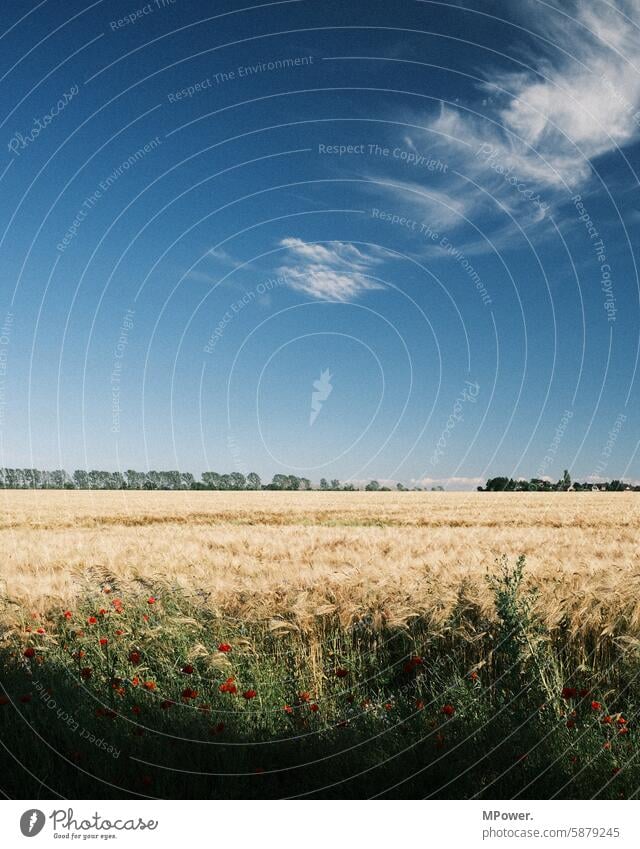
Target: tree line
<point>565,484</point>
<point>171,481</point>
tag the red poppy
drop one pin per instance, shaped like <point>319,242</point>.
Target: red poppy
<point>187,669</point>
<point>606,719</point>
<point>569,692</point>
<point>304,697</point>
<point>136,709</point>
<point>103,641</point>
<point>228,687</point>
<point>571,724</point>
<point>596,706</point>
<point>224,647</point>
<point>135,681</point>
<point>249,694</point>
<point>92,620</point>
<point>341,672</point>
<point>314,707</point>
<point>419,704</point>
<point>388,706</point>
<point>623,730</point>
<point>102,611</point>
<point>473,676</point>
<point>145,617</point>
<point>79,655</point>
<point>151,600</point>
<point>29,652</point>
<point>67,614</point>
<point>166,704</point>
<point>106,590</point>
<point>621,720</point>
<point>149,685</point>
<point>218,729</point>
<point>40,631</point>
<point>134,656</point>
<point>287,709</point>
<point>119,633</point>
<point>188,693</point>
<point>606,745</point>
<point>117,602</point>
<point>448,710</point>
<point>26,698</point>
<point>86,673</point>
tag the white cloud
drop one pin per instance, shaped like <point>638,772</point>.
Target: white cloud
<point>332,271</point>
<point>578,103</point>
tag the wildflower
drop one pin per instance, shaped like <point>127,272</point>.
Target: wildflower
<point>606,719</point>
<point>29,652</point>
<point>569,692</point>
<point>388,706</point>
<point>448,710</point>
<point>151,600</point>
<point>249,694</point>
<point>218,729</point>
<point>224,647</point>
<point>86,673</point>
<point>145,617</point>
<point>314,708</point>
<point>102,611</point>
<point>134,656</point>
<point>606,745</point>
<point>119,632</point>
<point>79,655</point>
<point>288,709</point>
<point>228,686</point>
<point>106,590</point>
<point>621,720</point>
<point>304,697</point>
<point>571,724</point>
<point>166,704</point>
<point>596,706</point>
<point>40,631</point>
<point>103,641</point>
<point>188,693</point>
<point>473,675</point>
<point>341,672</point>
<point>187,669</point>
<point>419,704</point>
<point>623,730</point>
<point>136,709</point>
<point>67,614</point>
<point>92,620</point>
<point>117,603</point>
<point>412,663</point>
<point>26,698</point>
<point>135,681</point>
<point>149,685</point>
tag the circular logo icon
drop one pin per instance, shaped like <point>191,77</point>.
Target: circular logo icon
<point>32,822</point>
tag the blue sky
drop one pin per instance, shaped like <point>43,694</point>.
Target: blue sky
<point>203,210</point>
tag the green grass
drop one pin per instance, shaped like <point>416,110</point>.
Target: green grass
<point>336,713</point>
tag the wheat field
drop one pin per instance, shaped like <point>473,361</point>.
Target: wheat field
<point>388,556</point>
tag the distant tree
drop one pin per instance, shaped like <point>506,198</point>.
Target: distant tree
<point>279,482</point>
<point>372,486</point>
<point>294,482</point>
<point>211,480</point>
<point>324,484</point>
<point>335,485</point>
<point>238,480</point>
<point>253,481</point>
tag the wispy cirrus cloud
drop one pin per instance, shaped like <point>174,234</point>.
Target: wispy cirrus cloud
<point>329,271</point>
<point>579,101</point>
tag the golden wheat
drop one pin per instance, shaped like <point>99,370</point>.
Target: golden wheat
<point>300,557</point>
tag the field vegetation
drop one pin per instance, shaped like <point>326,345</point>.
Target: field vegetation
<point>325,644</point>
